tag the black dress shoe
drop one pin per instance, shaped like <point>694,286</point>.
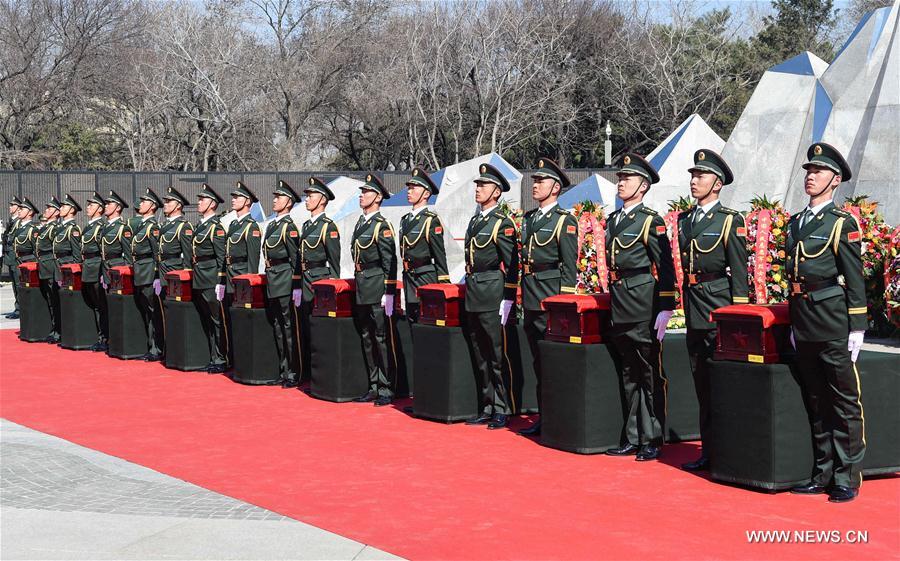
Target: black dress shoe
<point>216,368</point>
<point>285,383</point>
<point>700,464</point>
<point>100,348</point>
<point>647,453</point>
<point>841,494</point>
<point>811,488</point>
<point>533,430</point>
<point>13,315</point>
<point>498,421</point>
<point>382,400</point>
<point>370,395</point>
<point>626,450</point>
<point>152,357</point>
<point>482,419</point>
<point>52,339</point>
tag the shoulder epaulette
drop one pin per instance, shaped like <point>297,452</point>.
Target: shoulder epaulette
<point>727,210</point>
<point>560,210</point>
<point>839,212</point>
<point>647,210</point>
<point>328,220</point>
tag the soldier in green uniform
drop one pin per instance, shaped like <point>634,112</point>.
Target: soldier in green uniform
<point>208,250</point>
<point>712,239</point>
<point>421,242</point>
<point>115,247</point>
<point>549,255</point>
<point>47,269</point>
<point>636,240</point>
<point>492,280</point>
<point>828,319</point>
<point>25,236</point>
<point>281,242</point>
<point>91,253</point>
<point>144,249</point>
<point>242,249</point>
<point>320,258</point>
<point>9,256</point>
<point>66,240</point>
<point>375,267</point>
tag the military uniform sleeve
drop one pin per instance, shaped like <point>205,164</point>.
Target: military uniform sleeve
<point>849,264</point>
<point>333,247</point>
<point>186,239</point>
<point>126,240</point>
<point>736,257</point>
<point>218,242</point>
<point>292,245</point>
<point>507,245</point>
<point>661,256</point>
<point>254,245</point>
<point>75,243</point>
<point>438,252</point>
<point>568,255</point>
<point>388,252</point>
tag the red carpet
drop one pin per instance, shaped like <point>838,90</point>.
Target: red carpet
<point>417,489</point>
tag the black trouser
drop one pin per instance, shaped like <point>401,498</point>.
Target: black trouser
<point>229,333</point>
<point>412,312</point>
<point>211,318</point>
<point>304,313</point>
<point>370,323</point>
<point>95,297</point>
<point>50,292</point>
<point>280,311</point>
<point>14,279</point>
<point>831,392</point>
<point>149,306</point>
<point>638,353</point>
<point>701,343</point>
<point>486,338</point>
<point>535,325</point>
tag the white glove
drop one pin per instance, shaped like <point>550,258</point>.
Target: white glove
<point>296,296</point>
<point>793,341</point>
<point>103,283</point>
<point>505,307</point>
<point>388,302</point>
<point>662,320</point>
<point>220,292</point>
<point>59,283</point>
<point>854,343</point>
<point>157,286</point>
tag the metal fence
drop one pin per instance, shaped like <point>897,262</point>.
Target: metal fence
<point>39,186</point>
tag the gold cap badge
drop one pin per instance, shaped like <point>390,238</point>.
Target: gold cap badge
<point>626,160</point>
<point>483,169</point>
<point>415,172</point>
<point>312,181</point>
<point>540,163</point>
<point>701,156</point>
<point>368,178</point>
<point>817,150</point>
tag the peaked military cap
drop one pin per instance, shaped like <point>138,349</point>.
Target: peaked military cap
<point>632,163</point>
<point>15,201</point>
<point>708,161</point>
<point>287,191</point>
<point>490,174</point>
<point>113,197</point>
<point>241,190</point>
<point>26,202</point>
<point>374,184</point>
<point>549,168</point>
<point>206,192</point>
<point>172,194</point>
<point>54,202</point>
<point>152,197</point>
<point>420,177</point>
<point>68,200</point>
<point>827,156</point>
<point>316,185</point>
<point>95,198</point>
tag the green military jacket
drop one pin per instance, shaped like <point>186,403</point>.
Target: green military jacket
<point>91,253</point>
<point>712,247</point>
<point>422,252</point>
<point>549,255</point>
<point>320,252</point>
<point>175,249</point>
<point>144,249</point>
<point>828,245</point>
<point>638,241</point>
<point>374,259</point>
<point>208,249</point>
<point>115,246</point>
<point>492,261</point>
<point>44,248</point>
<point>281,244</point>
<point>242,248</point>
<point>9,255</point>
<point>23,240</point>
<point>67,245</point>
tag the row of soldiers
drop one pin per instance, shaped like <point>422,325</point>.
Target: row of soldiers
<point>828,313</point>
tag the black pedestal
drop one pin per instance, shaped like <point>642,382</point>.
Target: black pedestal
<point>78,330</point>
<point>338,367</point>
<point>445,380</point>
<point>682,411</point>
<point>127,335</point>
<point>581,398</point>
<point>760,431</point>
<point>186,347</point>
<point>34,315</point>
<point>255,355</point>
<point>523,392</point>
<point>400,346</point>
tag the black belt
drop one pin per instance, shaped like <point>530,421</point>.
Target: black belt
<point>24,256</point>
<point>412,263</point>
<point>170,256</point>
<point>277,261</point>
<point>43,253</point>
<point>63,254</point>
<point>531,268</point>
<point>696,278</point>
<point>203,258</point>
<point>306,265</point>
<point>360,267</point>
<point>470,269</point>
<point>144,255</point>
<point>229,260</point>
<point>89,254</point>
<point>802,287</point>
<point>618,274</point>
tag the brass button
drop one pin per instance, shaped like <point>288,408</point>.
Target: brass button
<point>684,254</point>
<point>802,259</point>
<point>617,252</point>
